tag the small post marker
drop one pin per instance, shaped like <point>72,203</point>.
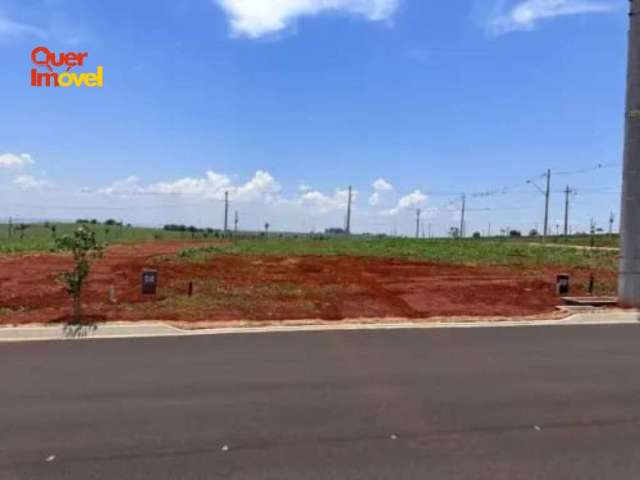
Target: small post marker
<point>562,284</point>
<point>149,281</point>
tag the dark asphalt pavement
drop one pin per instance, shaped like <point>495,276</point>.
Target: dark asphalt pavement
<point>513,403</point>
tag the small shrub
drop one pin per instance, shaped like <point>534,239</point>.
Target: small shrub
<point>84,247</point>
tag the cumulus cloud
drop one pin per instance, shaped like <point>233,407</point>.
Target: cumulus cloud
<point>412,200</point>
<point>29,182</point>
<point>381,185</point>
<point>374,199</point>
<point>11,29</point>
<point>525,14</point>
<point>262,185</point>
<point>326,203</point>
<point>11,160</point>
<point>255,18</point>
<point>212,186</point>
<point>124,187</point>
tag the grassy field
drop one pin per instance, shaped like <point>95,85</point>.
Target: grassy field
<point>468,252</point>
<point>602,240</point>
<point>494,251</point>
<point>40,237</point>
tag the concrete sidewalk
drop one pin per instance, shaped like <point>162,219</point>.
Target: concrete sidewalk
<point>62,332</point>
<point>159,329</point>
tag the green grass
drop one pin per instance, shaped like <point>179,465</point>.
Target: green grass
<point>39,237</point>
<point>494,251</point>
<point>600,240</point>
<point>468,252</point>
<point>263,300</point>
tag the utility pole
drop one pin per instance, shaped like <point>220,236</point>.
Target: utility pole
<point>489,230</point>
<point>226,212</point>
<point>464,206</point>
<point>546,194</point>
<point>567,193</point>
<point>348,229</point>
<point>418,223</point>
<point>235,223</point>
<point>546,206</point>
<point>429,228</point>
<point>629,274</point>
<point>612,219</point>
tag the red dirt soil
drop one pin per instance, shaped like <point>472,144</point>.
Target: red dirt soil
<point>229,287</point>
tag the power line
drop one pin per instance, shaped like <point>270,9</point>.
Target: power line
<point>600,166</point>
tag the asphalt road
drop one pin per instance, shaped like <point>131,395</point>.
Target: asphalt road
<point>513,403</point>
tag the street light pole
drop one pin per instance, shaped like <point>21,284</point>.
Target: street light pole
<point>629,274</point>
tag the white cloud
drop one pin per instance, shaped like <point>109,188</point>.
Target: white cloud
<point>212,186</point>
<point>127,186</point>
<point>262,185</point>
<point>29,182</point>
<point>412,200</point>
<point>255,18</point>
<point>525,14</point>
<point>11,29</point>
<point>381,185</point>
<point>326,203</point>
<point>11,160</point>
<point>374,199</point>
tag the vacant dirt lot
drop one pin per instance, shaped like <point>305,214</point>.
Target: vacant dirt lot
<point>229,287</point>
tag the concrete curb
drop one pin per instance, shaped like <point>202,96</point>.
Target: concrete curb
<point>61,332</point>
<point>159,329</point>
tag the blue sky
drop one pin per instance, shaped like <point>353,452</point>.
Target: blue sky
<point>287,102</point>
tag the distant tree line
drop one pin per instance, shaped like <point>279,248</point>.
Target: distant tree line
<point>93,221</point>
<point>205,232</point>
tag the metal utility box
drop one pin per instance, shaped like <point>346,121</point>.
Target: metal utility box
<point>562,284</point>
<point>149,281</point>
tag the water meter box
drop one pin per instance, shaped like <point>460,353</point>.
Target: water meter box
<point>149,281</point>
<point>562,284</point>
